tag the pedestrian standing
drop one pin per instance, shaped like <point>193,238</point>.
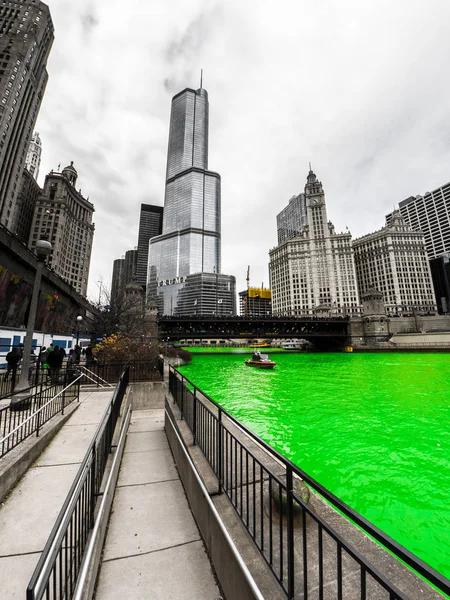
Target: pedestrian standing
<point>43,355</point>
<point>89,359</point>
<point>13,358</point>
<point>33,363</point>
<point>54,360</point>
<point>77,354</point>
<point>72,358</point>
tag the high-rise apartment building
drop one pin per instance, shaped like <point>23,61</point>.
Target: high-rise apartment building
<point>150,225</point>
<point>292,219</point>
<point>26,37</point>
<point>394,261</point>
<point>33,159</point>
<point>184,275</point>
<point>315,270</point>
<point>429,214</point>
<point>64,217</point>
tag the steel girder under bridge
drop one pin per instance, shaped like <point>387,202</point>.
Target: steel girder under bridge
<point>322,331</point>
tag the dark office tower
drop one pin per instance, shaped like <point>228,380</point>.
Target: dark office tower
<point>26,36</point>
<point>117,285</point>
<point>184,262</point>
<point>440,272</point>
<point>150,225</point>
<point>130,265</point>
<point>27,201</point>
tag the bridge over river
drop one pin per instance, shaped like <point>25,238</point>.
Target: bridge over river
<point>324,332</point>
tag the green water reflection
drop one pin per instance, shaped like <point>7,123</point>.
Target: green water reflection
<point>373,428</point>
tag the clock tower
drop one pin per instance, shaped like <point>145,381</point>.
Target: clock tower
<point>312,272</point>
<point>314,193</point>
<point>316,212</point>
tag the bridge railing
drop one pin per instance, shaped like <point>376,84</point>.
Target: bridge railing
<point>304,552</point>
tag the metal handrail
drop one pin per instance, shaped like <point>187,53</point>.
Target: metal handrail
<point>89,552</point>
<point>430,574</point>
<point>85,372</point>
<point>205,494</point>
<point>24,422</point>
<point>50,554</point>
<point>40,579</point>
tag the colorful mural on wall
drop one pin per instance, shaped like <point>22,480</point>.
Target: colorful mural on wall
<point>15,298</point>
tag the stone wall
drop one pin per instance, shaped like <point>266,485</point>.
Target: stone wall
<point>413,324</point>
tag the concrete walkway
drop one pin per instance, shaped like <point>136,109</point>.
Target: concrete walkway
<point>153,548</point>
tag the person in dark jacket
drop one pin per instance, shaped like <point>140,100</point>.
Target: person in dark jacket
<point>77,353</point>
<point>71,359</point>
<point>13,358</point>
<point>89,359</point>
<point>55,360</point>
<point>43,355</point>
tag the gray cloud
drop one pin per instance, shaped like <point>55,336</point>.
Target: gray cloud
<point>89,22</point>
<point>191,39</point>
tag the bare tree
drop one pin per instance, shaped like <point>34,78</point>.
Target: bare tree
<point>127,314</point>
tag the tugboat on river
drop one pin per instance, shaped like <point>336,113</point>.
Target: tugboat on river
<point>260,360</point>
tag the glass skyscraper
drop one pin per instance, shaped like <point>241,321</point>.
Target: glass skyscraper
<point>292,220</point>
<point>190,241</point>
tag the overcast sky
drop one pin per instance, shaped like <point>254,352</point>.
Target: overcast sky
<point>359,88</point>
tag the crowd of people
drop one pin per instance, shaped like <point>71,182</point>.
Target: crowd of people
<point>49,360</point>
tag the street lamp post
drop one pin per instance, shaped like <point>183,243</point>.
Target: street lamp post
<point>79,319</point>
<point>43,249</point>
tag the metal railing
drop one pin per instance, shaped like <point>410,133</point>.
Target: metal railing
<point>85,585</point>
<point>139,370</point>
<point>92,377</point>
<point>305,554</point>
<point>58,568</point>
<point>99,374</point>
<point>9,380</point>
<point>39,406</point>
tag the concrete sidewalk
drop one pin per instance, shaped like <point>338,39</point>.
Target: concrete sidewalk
<point>28,514</point>
<point>153,548</point>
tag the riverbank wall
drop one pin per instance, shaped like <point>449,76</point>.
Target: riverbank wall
<point>395,334</point>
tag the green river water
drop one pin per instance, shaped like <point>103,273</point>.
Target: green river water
<point>372,428</point>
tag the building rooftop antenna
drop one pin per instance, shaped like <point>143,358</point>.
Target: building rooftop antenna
<point>201,78</point>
